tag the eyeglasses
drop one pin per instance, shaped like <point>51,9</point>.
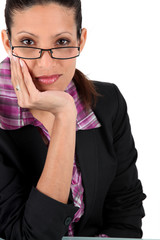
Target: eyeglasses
<point>61,53</point>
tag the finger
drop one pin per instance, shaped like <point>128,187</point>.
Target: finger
<point>14,78</point>
<point>18,82</point>
<point>23,94</point>
<point>20,78</point>
<point>17,77</point>
<point>28,81</point>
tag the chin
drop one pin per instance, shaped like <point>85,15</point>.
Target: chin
<point>48,88</point>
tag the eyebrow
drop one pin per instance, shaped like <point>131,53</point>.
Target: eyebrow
<point>37,36</point>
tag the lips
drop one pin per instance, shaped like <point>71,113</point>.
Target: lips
<point>48,79</point>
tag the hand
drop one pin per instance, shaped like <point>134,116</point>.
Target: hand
<point>30,97</point>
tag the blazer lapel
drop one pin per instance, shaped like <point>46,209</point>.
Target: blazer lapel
<point>86,150</point>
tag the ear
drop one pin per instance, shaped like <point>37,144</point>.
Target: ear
<point>83,38</point>
<point>5,41</point>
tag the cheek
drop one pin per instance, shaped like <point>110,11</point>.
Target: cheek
<point>68,73</point>
<point>70,67</point>
<point>30,64</point>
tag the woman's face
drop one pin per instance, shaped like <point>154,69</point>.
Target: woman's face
<point>46,27</point>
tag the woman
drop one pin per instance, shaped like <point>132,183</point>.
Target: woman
<point>67,156</point>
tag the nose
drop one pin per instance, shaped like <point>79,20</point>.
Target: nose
<point>46,60</point>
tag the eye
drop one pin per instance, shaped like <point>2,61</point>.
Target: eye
<point>63,42</point>
<point>27,42</point>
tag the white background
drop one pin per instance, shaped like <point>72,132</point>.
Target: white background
<point>123,47</point>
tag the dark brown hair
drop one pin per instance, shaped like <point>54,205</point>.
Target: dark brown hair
<point>84,86</point>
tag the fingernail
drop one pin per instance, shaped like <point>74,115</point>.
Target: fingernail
<point>21,62</point>
<point>9,54</point>
<point>14,58</point>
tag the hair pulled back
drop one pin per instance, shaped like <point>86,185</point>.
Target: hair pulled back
<point>14,5</point>
<point>84,87</point>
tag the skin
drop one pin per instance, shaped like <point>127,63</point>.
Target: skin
<point>45,29</point>
<point>48,103</point>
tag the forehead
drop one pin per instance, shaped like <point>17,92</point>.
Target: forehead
<point>44,18</point>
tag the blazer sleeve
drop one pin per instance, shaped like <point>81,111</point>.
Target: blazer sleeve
<point>26,213</point>
<point>123,210</point>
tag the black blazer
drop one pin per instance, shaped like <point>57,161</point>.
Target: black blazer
<point>106,157</point>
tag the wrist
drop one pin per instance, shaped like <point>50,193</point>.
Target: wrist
<point>66,107</point>
<point>67,115</point>
<point>69,111</point>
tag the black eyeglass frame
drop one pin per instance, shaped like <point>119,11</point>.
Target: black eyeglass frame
<point>42,50</point>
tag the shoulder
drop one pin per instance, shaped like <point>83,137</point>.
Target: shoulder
<point>110,102</point>
<point>107,89</point>
<point>109,95</point>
